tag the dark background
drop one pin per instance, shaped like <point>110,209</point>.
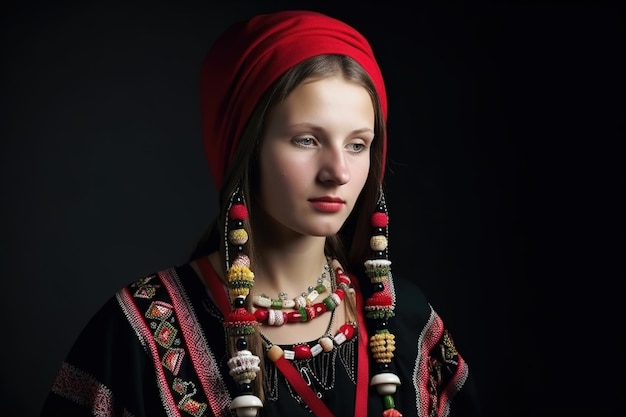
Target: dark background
<point>505,189</point>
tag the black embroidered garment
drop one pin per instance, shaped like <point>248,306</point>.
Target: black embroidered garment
<point>157,348</point>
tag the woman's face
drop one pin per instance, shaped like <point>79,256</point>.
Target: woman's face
<point>315,156</point>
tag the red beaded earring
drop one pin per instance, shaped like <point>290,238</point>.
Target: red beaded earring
<point>240,323</point>
<point>379,308</point>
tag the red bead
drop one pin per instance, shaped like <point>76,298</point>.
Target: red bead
<point>240,315</point>
<point>294,316</point>
<point>347,330</point>
<point>302,351</point>
<point>379,299</point>
<point>340,293</point>
<point>320,308</point>
<point>379,219</point>
<point>310,311</point>
<point>238,212</point>
<point>342,278</point>
<point>261,315</point>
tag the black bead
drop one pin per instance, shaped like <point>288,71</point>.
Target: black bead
<point>237,198</point>
<point>239,302</point>
<point>380,207</point>
<point>238,248</point>
<point>237,224</point>
<point>382,325</point>
<point>379,254</point>
<point>378,286</point>
<point>242,343</point>
<point>378,231</point>
<point>245,388</point>
<point>383,367</point>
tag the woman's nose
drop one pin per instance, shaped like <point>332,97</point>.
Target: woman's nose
<point>334,167</point>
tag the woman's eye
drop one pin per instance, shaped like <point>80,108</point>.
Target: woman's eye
<point>356,147</point>
<point>305,141</point>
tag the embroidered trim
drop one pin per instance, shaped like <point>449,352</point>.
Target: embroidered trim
<point>200,353</point>
<point>85,390</point>
<point>160,312</point>
<point>144,333</point>
<point>439,371</point>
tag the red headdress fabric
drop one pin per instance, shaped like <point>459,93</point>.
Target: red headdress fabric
<point>249,56</point>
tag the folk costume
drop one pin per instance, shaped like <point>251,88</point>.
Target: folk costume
<point>162,346</point>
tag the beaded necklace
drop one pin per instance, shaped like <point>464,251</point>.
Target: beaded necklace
<point>327,342</point>
<point>307,312</point>
<point>305,298</point>
<point>282,358</point>
<point>239,323</point>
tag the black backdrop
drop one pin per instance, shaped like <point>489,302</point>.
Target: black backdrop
<point>505,185</point>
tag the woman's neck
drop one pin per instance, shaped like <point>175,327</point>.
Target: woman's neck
<point>288,268</point>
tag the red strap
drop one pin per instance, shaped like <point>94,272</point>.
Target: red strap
<point>290,372</point>
<point>362,378</point>
<point>215,285</point>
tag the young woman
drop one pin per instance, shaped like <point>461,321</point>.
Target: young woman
<point>288,305</point>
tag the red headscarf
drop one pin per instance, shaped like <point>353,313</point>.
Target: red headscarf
<point>249,56</point>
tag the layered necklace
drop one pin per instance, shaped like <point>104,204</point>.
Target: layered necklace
<point>241,323</point>
<point>272,311</point>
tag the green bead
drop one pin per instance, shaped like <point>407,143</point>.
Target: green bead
<point>388,401</point>
<point>329,303</point>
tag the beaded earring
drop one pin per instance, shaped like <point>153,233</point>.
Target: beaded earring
<point>379,308</point>
<point>240,323</point>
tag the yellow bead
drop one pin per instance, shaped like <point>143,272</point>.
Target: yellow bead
<point>274,353</point>
<point>238,236</point>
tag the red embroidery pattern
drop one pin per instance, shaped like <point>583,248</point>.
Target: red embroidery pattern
<point>201,356</point>
<point>85,390</point>
<point>172,360</point>
<point>162,320</point>
<point>144,289</point>
<point>440,372</point>
<point>188,404</point>
<point>159,311</point>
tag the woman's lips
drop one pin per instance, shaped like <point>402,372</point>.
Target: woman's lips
<point>327,204</point>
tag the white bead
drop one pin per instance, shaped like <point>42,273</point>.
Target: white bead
<point>246,405</point>
<point>326,343</point>
<point>378,242</point>
<point>373,263</point>
<point>289,303</point>
<point>243,361</point>
<point>340,338</point>
<point>275,318</point>
<point>289,354</point>
<point>262,301</point>
<point>385,383</point>
<point>300,301</point>
<point>316,350</point>
<point>312,295</point>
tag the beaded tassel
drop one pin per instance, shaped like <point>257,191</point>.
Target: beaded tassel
<point>379,307</point>
<point>240,323</point>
